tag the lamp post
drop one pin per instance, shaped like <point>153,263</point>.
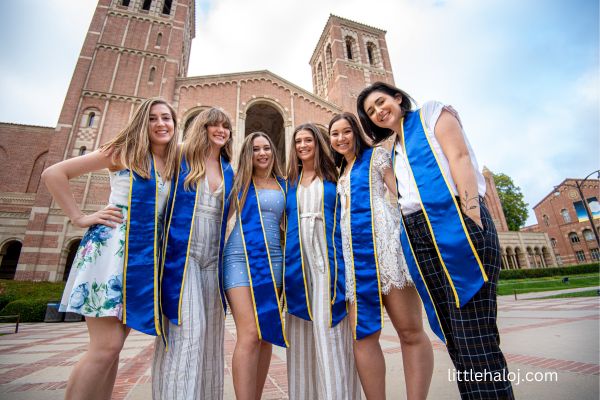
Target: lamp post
<point>578,184</point>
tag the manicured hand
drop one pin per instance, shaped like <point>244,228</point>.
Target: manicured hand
<point>109,216</point>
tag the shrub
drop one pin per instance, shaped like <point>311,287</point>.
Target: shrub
<point>543,272</point>
<point>28,298</point>
<point>31,310</point>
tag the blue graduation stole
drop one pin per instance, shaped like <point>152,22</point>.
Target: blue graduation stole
<point>267,308</point>
<point>457,254</point>
<point>295,290</point>
<point>142,255</point>
<point>368,300</point>
<point>180,228</point>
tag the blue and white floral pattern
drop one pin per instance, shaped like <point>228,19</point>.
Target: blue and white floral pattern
<point>95,285</point>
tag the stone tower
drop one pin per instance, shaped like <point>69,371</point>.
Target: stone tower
<point>133,49</point>
<point>348,57</point>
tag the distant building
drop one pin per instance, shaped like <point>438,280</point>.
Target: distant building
<point>520,250</point>
<point>562,216</point>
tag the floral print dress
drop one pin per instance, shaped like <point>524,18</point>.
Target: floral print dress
<point>95,284</point>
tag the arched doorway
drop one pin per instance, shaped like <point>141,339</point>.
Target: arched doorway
<point>266,118</point>
<point>189,119</point>
<point>547,257</point>
<point>71,253</point>
<point>10,259</point>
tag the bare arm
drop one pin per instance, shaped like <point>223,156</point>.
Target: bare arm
<point>390,181</point>
<point>448,133</point>
<point>56,178</point>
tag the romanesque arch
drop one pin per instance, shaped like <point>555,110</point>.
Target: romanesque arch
<point>69,252</point>
<point>268,117</point>
<point>9,255</point>
<point>189,117</point>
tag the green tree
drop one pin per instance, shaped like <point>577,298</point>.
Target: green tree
<point>511,198</point>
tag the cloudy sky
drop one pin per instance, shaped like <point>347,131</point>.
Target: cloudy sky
<point>523,74</point>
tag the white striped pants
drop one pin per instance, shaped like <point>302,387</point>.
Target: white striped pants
<point>193,366</point>
<point>320,360</point>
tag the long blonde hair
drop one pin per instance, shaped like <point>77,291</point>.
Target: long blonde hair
<point>196,147</point>
<point>323,161</point>
<point>243,177</point>
<point>131,146</point>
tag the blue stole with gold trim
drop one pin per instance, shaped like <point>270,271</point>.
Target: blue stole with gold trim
<point>368,300</point>
<point>267,307</point>
<point>179,237</point>
<point>459,259</point>
<point>141,263</point>
<point>294,284</point>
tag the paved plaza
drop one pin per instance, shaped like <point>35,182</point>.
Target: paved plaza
<point>552,340</point>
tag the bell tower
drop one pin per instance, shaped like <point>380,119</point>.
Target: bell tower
<point>134,49</point>
<point>348,57</point>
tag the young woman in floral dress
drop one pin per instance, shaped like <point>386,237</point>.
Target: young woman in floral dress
<point>113,279</point>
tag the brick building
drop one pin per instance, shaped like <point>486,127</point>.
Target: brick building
<point>530,249</point>
<point>136,49</point>
<point>562,216</point>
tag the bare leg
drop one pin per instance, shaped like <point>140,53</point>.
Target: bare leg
<point>264,361</point>
<point>98,367</point>
<point>246,356</point>
<point>404,309</point>
<point>370,363</point>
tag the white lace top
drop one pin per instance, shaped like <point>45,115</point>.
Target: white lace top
<point>392,265</point>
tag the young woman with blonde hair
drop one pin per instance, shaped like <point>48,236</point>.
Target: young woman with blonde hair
<point>114,275</point>
<point>319,359</point>
<point>191,365</point>
<point>253,264</point>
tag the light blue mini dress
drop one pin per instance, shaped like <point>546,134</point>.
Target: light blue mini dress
<point>235,270</point>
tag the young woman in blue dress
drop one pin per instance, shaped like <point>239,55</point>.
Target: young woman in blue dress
<point>253,264</point>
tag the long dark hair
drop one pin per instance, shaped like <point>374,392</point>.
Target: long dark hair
<point>324,164</point>
<point>361,141</point>
<point>373,131</point>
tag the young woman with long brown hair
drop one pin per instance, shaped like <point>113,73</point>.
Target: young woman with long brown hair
<point>192,365</point>
<point>253,264</point>
<point>113,282</point>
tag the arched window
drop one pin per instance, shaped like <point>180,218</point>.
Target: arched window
<point>588,235</point>
<point>329,59</point>
<point>553,241</point>
<point>574,237</point>
<point>82,150</point>
<point>371,53</point>
<point>158,39</point>
<point>90,121</point>
<point>125,3</point>
<point>166,7</point>
<point>146,5</point>
<point>349,54</point>
<point>546,220</point>
<point>151,74</point>
<point>565,215</point>
<point>319,77</point>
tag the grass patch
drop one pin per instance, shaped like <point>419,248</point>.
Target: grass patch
<point>585,293</point>
<point>547,283</point>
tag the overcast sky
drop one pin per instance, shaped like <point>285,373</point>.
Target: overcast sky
<point>523,74</point>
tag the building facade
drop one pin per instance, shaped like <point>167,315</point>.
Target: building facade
<point>136,49</point>
<point>562,216</point>
<point>519,250</point>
